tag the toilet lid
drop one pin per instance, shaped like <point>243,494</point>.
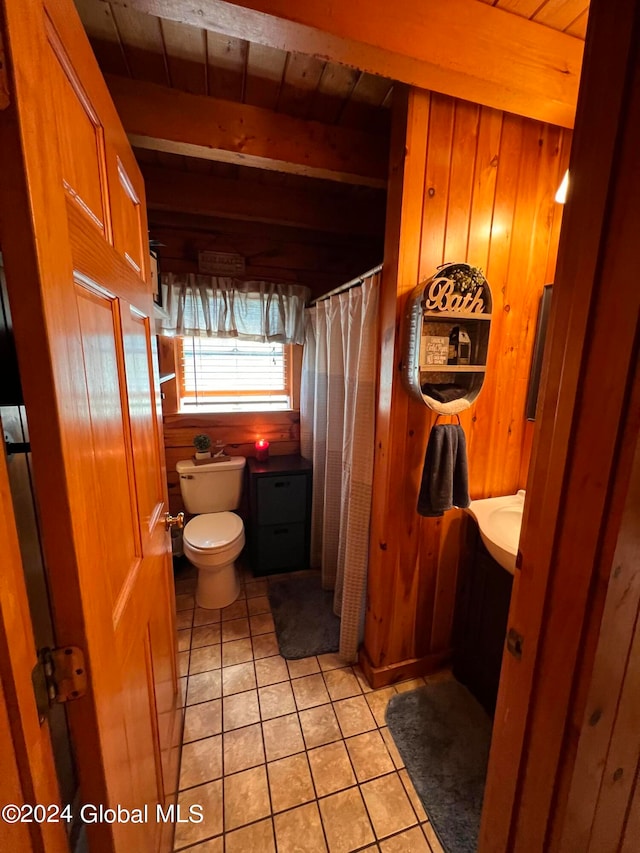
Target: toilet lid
<point>213,529</point>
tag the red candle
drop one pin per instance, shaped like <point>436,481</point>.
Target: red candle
<point>262,449</point>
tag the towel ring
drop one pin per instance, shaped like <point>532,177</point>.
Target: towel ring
<point>454,415</point>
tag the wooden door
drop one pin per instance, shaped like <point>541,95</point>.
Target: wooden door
<point>74,238</point>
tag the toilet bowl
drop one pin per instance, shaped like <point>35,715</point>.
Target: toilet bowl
<point>214,537</point>
<point>212,542</point>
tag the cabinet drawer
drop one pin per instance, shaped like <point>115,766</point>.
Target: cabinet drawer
<point>281,546</point>
<point>282,499</point>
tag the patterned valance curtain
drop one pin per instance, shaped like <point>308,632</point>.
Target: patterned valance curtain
<point>228,308</point>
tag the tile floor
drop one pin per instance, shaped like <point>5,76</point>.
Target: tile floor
<point>287,756</point>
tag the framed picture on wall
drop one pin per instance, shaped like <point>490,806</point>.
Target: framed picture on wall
<point>538,351</point>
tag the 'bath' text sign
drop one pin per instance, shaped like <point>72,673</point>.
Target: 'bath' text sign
<point>441,296</point>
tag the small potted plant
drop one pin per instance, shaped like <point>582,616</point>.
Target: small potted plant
<point>202,444</point>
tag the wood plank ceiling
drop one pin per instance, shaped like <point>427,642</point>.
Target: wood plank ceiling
<point>568,16</point>
<point>144,47</point>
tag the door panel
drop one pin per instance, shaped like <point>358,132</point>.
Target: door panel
<point>139,374</point>
<point>82,310</point>
<point>127,219</point>
<point>99,324</point>
<point>82,155</point>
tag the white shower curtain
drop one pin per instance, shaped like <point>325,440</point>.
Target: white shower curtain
<point>337,415</point>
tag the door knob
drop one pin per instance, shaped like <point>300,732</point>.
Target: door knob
<point>174,520</point>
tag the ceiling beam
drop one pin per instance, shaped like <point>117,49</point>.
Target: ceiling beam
<point>462,48</point>
<point>165,119</point>
<point>209,195</point>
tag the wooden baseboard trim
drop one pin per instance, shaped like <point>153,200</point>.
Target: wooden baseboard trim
<point>383,676</point>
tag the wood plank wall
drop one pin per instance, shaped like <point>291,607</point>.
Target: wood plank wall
<point>467,183</point>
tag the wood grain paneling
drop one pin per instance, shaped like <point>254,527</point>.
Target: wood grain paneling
<point>238,431</point>
<point>468,183</point>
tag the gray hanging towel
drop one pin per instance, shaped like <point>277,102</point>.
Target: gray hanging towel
<point>445,476</point>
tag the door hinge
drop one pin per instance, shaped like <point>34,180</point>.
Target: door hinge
<point>59,676</point>
<point>515,643</point>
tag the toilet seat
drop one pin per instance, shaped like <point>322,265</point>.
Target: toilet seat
<point>213,531</point>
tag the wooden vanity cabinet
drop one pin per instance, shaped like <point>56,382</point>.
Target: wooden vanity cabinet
<point>480,621</point>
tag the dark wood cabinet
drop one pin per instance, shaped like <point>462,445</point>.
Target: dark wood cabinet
<point>279,514</point>
<point>480,624</point>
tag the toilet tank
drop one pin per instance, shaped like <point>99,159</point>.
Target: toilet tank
<point>212,487</point>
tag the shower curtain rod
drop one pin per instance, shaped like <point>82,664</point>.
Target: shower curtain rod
<point>353,283</point>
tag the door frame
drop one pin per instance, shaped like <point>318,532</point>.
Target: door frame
<point>26,755</point>
<point>581,472</point>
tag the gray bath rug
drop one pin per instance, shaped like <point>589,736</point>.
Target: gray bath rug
<point>443,735</point>
<point>303,616</point>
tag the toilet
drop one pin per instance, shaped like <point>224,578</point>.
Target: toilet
<point>214,538</point>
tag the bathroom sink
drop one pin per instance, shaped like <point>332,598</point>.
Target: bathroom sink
<point>499,521</point>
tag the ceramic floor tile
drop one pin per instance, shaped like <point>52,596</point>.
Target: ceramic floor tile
<point>185,602</point>
<point>413,796</point>
<point>262,624</point>
<point>205,635</point>
<point>271,670</point>
<point>241,709</point>
<point>310,691</point>
<point>362,681</point>
<point>184,619</point>
<point>354,716</point>
<point>256,838</point>
<point>183,663</point>
<point>182,691</point>
<point>237,610</point>
<point>331,768</point>
<point>238,678</point>
<point>411,684</point>
<point>341,683</point>
<point>202,720</point>
<point>369,755</point>
<point>300,830</point>
<point>393,749</point>
<point>238,651</point>
<point>213,845</point>
<point>204,659</point>
<point>203,616</point>
<point>201,762</point>
<point>282,737</point>
<point>290,782</point>
<point>254,588</point>
<point>204,686</point>
<point>409,841</point>
<point>259,604</point>
<point>319,726</point>
<point>235,629</point>
<point>432,838</point>
<point>209,800</point>
<point>378,701</point>
<point>265,645</point>
<point>345,821</point>
<point>184,640</point>
<point>276,700</point>
<point>388,805</point>
<point>246,798</point>
<point>302,667</point>
<point>186,585</point>
<point>332,660</point>
<point>243,749</point>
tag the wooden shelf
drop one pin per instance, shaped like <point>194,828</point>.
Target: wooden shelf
<point>455,315</point>
<point>453,368</point>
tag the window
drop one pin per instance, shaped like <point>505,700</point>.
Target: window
<point>227,374</point>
